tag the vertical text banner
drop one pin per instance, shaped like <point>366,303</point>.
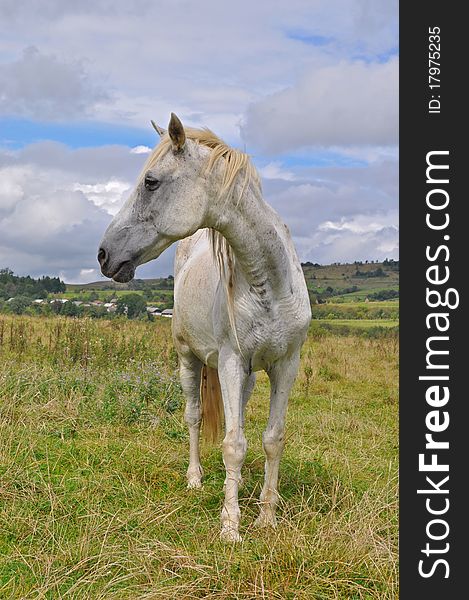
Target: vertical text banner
<point>434,424</point>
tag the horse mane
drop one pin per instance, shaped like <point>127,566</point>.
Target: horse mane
<point>235,160</point>
<point>235,164</point>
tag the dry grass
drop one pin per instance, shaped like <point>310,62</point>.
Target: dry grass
<point>93,455</point>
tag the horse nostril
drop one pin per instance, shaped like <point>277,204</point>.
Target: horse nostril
<point>102,256</point>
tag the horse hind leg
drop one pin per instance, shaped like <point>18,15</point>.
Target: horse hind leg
<point>282,376</point>
<point>190,371</point>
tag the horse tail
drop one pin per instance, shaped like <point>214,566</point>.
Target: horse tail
<point>212,403</point>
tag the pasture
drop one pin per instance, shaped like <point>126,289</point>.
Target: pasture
<point>93,454</point>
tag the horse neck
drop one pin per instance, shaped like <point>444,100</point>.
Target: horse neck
<point>252,229</point>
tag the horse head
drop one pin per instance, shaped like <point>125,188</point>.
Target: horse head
<point>169,203</point>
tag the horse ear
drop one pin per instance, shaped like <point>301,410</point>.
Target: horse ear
<point>176,133</point>
<point>159,130</point>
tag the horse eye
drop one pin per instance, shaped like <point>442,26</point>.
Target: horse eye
<point>151,184</point>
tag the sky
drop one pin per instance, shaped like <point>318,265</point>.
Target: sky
<point>309,88</point>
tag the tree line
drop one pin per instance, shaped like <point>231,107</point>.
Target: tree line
<point>12,285</point>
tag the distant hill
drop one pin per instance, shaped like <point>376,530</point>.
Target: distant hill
<point>337,282</point>
<point>352,281</point>
<point>161,283</point>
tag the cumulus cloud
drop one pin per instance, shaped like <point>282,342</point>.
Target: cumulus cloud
<point>160,57</point>
<point>45,87</point>
<point>140,150</point>
<point>274,170</point>
<point>340,105</point>
<point>326,247</point>
<point>362,223</point>
<point>340,214</point>
<point>109,195</point>
<point>10,191</point>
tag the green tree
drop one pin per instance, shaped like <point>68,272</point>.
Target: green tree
<point>19,304</point>
<point>132,305</point>
<point>69,309</point>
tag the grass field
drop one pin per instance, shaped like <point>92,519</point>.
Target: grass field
<point>367,327</point>
<point>365,323</point>
<point>358,311</point>
<point>93,454</point>
<point>361,295</point>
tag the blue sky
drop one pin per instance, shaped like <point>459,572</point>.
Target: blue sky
<point>19,132</point>
<point>308,88</point>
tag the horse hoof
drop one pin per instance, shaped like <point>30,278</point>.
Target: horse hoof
<point>194,483</point>
<point>265,520</point>
<point>228,534</point>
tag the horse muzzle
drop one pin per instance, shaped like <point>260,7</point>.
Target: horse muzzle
<point>122,272</point>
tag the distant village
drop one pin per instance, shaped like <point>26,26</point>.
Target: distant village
<point>111,306</point>
<point>51,296</point>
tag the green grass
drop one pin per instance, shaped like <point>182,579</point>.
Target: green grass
<point>93,456</point>
<point>376,311</point>
<point>364,305</point>
<point>361,323</point>
<point>360,295</point>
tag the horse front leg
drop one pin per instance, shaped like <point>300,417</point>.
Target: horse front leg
<point>190,372</point>
<point>233,376</point>
<point>282,376</point>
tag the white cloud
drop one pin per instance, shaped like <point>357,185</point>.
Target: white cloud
<point>325,247</point>
<point>83,276</point>
<point>110,195</point>
<point>204,61</point>
<point>43,86</point>
<point>368,153</point>
<point>344,104</point>
<point>140,150</point>
<point>362,223</point>
<point>10,189</point>
<point>340,214</point>
<point>274,170</point>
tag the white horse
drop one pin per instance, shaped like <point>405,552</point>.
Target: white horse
<point>240,298</point>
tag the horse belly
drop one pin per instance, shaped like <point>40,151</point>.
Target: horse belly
<point>269,334</point>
